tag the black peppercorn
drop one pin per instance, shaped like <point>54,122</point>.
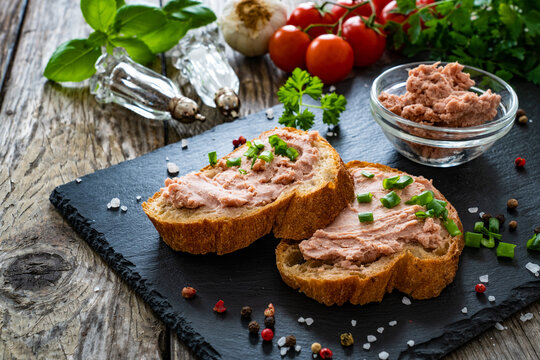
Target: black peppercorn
<point>512,203</point>
<point>486,217</point>
<point>512,225</point>
<point>253,327</point>
<point>290,340</point>
<point>520,113</point>
<point>269,321</point>
<point>537,230</point>
<point>246,312</point>
<point>501,218</point>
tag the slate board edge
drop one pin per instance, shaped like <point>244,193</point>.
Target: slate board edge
<point>123,267</point>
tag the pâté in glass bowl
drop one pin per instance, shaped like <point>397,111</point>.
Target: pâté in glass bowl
<point>430,143</point>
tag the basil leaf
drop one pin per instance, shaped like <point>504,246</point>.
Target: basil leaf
<point>97,38</point>
<point>166,36</point>
<point>137,20</point>
<point>190,10</point>
<point>136,49</point>
<point>120,3</point>
<point>74,60</point>
<point>99,14</point>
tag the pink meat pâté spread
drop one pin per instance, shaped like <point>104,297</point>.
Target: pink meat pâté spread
<point>438,95</point>
<point>347,242</point>
<point>258,186</point>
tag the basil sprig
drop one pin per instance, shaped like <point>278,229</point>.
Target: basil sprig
<point>142,30</point>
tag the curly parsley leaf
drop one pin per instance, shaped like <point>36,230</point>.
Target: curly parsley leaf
<point>333,105</point>
<point>305,119</point>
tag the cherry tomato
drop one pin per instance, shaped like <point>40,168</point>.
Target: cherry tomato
<point>367,45</point>
<point>330,58</point>
<point>306,14</point>
<point>338,11</point>
<point>388,15</point>
<point>287,48</point>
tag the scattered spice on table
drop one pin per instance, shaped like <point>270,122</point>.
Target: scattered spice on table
<point>290,340</point>
<point>410,343</point>
<point>366,346</point>
<point>512,203</point>
<point>383,355</point>
<point>392,323</point>
<point>464,310</point>
<point>315,347</point>
<point>326,353</point>
<point>269,321</point>
<point>520,162</point>
<point>512,225</point>
<point>406,301</point>
<point>501,218</point>
<point>491,298</point>
<point>371,338</point>
<point>267,334</point>
<point>270,310</point>
<point>253,327</point>
<point>188,292</point>
<point>380,330</point>
<point>346,339</point>
<point>484,278</point>
<point>220,307</point>
<point>480,288</point>
<point>245,312</point>
<point>485,217</point>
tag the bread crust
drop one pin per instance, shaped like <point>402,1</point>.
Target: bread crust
<point>421,278</point>
<point>293,216</point>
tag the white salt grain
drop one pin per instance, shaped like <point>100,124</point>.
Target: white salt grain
<point>108,205</point>
<point>491,298</point>
<point>484,278</point>
<point>172,168</point>
<point>78,180</point>
<point>184,143</point>
<point>406,300</point>
<point>371,338</point>
<point>392,323</point>
<point>534,268</point>
<point>481,214</point>
<point>353,322</point>
<point>332,88</point>
<point>499,326</point>
<point>301,320</point>
<point>139,198</point>
<point>96,289</point>
<point>330,134</point>
<point>309,321</point>
<point>366,346</point>
<point>115,203</point>
<point>297,348</point>
<point>269,114</point>
<point>281,341</point>
<point>464,310</point>
<point>383,355</point>
<point>167,158</point>
<point>124,208</point>
<point>526,317</point>
<point>283,351</point>
<point>410,343</point>
<point>380,330</point>
<point>473,210</point>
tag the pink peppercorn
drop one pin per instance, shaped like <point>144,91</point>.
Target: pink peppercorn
<point>480,288</point>
<point>267,334</point>
<point>520,162</point>
<point>325,353</point>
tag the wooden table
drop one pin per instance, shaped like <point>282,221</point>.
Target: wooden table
<point>58,299</point>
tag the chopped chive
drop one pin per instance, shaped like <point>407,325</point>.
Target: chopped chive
<point>494,225</point>
<point>424,214</point>
<point>488,242</point>
<point>242,171</point>
<point>292,153</point>
<point>267,156</point>
<point>534,242</point>
<point>258,144</point>
<point>388,183</point>
<point>364,197</point>
<point>367,174</point>
<point>479,226</point>
<point>365,217</point>
<point>423,198</point>
<point>505,250</point>
<point>390,200</point>
<point>438,207</point>
<point>236,161</point>
<point>403,182</point>
<point>251,152</point>
<point>452,228</point>
<point>489,233</point>
<point>473,239</point>
<point>253,161</point>
<point>212,158</point>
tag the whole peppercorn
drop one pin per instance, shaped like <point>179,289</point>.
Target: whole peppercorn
<point>346,339</point>
<point>220,307</point>
<point>269,321</point>
<point>486,217</point>
<point>519,113</point>
<point>315,347</point>
<point>290,340</point>
<point>520,162</point>
<point>512,225</point>
<point>253,327</point>
<point>501,218</point>
<point>242,140</point>
<point>523,120</point>
<point>188,292</point>
<point>246,312</point>
<point>480,288</point>
<point>325,353</point>
<point>512,203</point>
<point>270,310</point>
<point>267,334</point>
<point>537,230</point>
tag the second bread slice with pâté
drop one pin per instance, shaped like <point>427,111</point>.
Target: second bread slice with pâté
<point>287,181</point>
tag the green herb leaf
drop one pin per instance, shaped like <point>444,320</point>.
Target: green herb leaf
<point>120,3</point>
<point>166,36</point>
<point>97,38</point>
<point>190,10</point>
<point>136,49</point>
<point>287,118</point>
<point>406,6</point>
<point>212,158</point>
<point>305,119</point>
<point>333,105</point>
<point>138,20</point>
<point>99,14</point>
<point>74,60</point>
<point>414,30</point>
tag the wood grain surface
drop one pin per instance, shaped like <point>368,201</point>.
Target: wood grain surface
<point>58,299</point>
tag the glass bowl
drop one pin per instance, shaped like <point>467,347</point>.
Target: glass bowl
<point>435,145</point>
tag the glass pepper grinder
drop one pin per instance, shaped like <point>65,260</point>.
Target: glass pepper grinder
<point>202,61</point>
<point>121,80</point>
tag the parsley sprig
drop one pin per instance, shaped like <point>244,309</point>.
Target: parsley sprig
<point>297,113</point>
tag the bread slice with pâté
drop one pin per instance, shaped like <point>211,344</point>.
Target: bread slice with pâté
<point>287,181</point>
<point>403,248</point>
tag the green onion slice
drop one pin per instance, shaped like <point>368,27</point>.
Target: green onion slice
<point>473,239</point>
<point>423,198</point>
<point>364,197</point>
<point>390,200</point>
<point>424,214</point>
<point>365,217</point>
<point>242,171</point>
<point>534,242</point>
<point>388,183</point>
<point>251,152</point>
<point>236,161</point>
<point>505,250</point>
<point>439,208</point>
<point>292,153</point>
<point>489,233</point>
<point>488,242</point>
<point>494,225</point>
<point>212,158</point>
<point>367,174</point>
<point>479,227</point>
<point>258,144</point>
<point>267,156</point>
<point>452,228</point>
<point>397,182</point>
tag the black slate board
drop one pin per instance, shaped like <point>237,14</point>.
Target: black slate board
<point>131,245</point>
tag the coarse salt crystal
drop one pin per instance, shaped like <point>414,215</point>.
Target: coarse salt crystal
<point>115,203</point>
<point>269,114</point>
<point>392,323</point>
<point>96,289</point>
<point>371,338</point>
<point>124,208</point>
<point>139,198</point>
<point>108,205</point>
<point>383,355</point>
<point>481,214</point>
<point>167,158</point>
<point>281,341</point>
<point>406,300</point>
<point>526,317</point>
<point>491,298</point>
<point>283,351</point>
<point>534,268</point>
<point>366,346</point>
<point>309,321</point>
<point>353,322</point>
<point>484,278</point>
<point>78,180</point>
<point>410,343</point>
<point>330,133</point>
<point>473,210</point>
<point>184,143</point>
<point>297,348</point>
<point>301,320</point>
<point>172,168</point>
<point>380,330</point>
<point>332,88</point>
<point>464,310</point>
<point>499,326</point>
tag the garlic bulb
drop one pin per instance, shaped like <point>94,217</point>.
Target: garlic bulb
<point>247,25</point>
